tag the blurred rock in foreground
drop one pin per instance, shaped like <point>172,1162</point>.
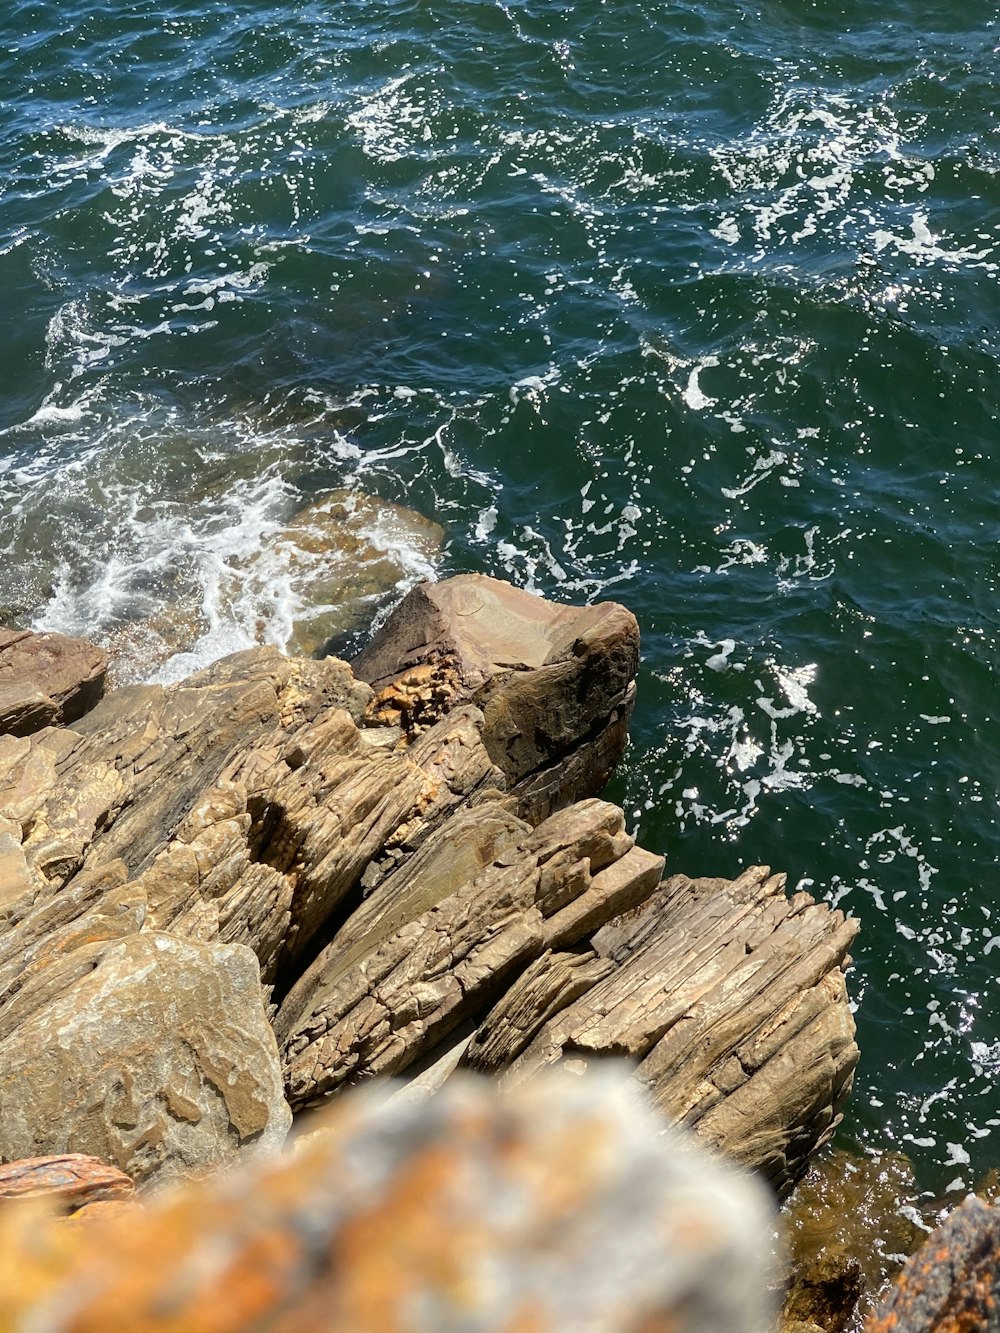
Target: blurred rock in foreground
<point>562,1206</point>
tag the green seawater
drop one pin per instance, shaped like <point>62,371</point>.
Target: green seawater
<point>691,305</point>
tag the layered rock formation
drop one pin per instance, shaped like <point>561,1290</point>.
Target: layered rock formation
<point>47,679</point>
<point>395,869</point>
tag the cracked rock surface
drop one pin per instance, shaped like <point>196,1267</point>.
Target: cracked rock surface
<point>282,877</point>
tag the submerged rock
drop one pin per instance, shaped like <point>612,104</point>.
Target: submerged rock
<point>344,554</point>
<point>849,1227</point>
<point>305,586</point>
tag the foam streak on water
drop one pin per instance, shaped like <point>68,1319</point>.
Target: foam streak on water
<point>693,305</point>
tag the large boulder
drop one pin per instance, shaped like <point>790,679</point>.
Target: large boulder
<point>149,1052</point>
<point>556,684</point>
<point>564,1207</point>
<point>46,680</point>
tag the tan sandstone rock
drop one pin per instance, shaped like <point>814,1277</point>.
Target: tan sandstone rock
<point>149,1052</point>
<point>556,684</point>
<point>47,678</point>
<point>729,997</point>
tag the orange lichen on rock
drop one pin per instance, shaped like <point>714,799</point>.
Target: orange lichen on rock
<point>560,1207</point>
<point>952,1284</point>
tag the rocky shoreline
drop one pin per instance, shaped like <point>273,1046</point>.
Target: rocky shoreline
<point>227,901</point>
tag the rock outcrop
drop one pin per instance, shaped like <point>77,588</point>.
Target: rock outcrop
<point>563,1207</point>
<point>556,684</point>
<point>436,943</point>
<point>47,679</point>
<point>728,995</point>
<point>417,865</point>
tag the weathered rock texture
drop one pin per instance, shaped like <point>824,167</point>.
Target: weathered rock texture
<point>556,684</point>
<point>952,1284</point>
<point>149,1052</point>
<point>418,872</point>
<point>46,679</point>
<point>730,997</point>
<point>435,944</point>
<point>565,1207</point>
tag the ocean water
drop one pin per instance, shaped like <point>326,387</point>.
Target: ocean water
<point>693,305</point>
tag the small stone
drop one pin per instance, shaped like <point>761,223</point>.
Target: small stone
<point>72,1180</point>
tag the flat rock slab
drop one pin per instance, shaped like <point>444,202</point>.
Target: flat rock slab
<point>564,1207</point>
<point>70,1180</point>
<point>157,1059</point>
<point>47,680</point>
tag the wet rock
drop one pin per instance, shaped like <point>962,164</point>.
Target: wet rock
<point>824,1292</point>
<point>307,586</point>
<point>862,1212</point>
<point>150,1053</point>
<point>555,683</point>
<point>561,1208</point>
<point>47,680</point>
<point>952,1284</point>
<point>344,553</point>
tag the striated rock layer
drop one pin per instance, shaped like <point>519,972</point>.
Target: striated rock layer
<point>402,874</point>
<point>46,679</point>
